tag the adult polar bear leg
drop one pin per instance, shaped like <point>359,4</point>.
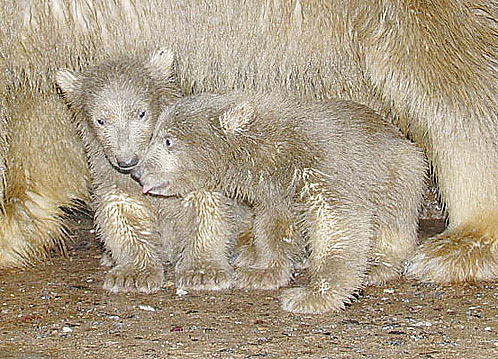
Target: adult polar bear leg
<point>441,84</point>
<point>45,171</point>
<point>468,249</point>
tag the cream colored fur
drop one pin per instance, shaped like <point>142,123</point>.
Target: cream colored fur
<point>430,66</point>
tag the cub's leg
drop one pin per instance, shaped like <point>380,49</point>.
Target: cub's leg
<point>267,264</point>
<point>392,247</point>
<point>339,235</point>
<point>128,226</point>
<point>213,223</point>
<point>396,219</point>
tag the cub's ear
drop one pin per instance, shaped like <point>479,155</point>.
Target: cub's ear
<point>161,63</point>
<point>237,119</point>
<point>69,83</point>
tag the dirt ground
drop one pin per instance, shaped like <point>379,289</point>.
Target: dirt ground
<point>59,310</point>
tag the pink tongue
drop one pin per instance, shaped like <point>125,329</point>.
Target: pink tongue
<point>146,188</point>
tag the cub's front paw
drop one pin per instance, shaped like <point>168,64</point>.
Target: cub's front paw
<point>304,300</point>
<point>205,278</point>
<point>126,278</point>
<point>258,278</point>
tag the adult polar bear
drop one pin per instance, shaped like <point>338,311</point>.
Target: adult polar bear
<point>431,66</point>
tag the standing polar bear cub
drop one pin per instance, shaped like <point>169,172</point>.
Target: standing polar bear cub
<point>117,104</point>
<point>332,173</point>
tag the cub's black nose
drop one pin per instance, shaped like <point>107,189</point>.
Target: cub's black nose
<point>136,173</point>
<point>128,163</point>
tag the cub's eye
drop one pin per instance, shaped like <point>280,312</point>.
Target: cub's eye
<point>100,122</point>
<point>168,142</point>
<point>142,114</point>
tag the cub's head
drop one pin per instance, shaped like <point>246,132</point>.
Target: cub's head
<point>119,102</point>
<point>192,145</point>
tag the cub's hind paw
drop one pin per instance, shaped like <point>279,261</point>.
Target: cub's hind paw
<point>305,301</point>
<point>379,274</point>
<point>265,279</point>
<point>124,278</point>
<point>207,278</point>
<point>106,260</point>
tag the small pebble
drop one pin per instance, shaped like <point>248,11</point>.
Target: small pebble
<point>422,324</point>
<point>180,292</point>
<point>147,308</point>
